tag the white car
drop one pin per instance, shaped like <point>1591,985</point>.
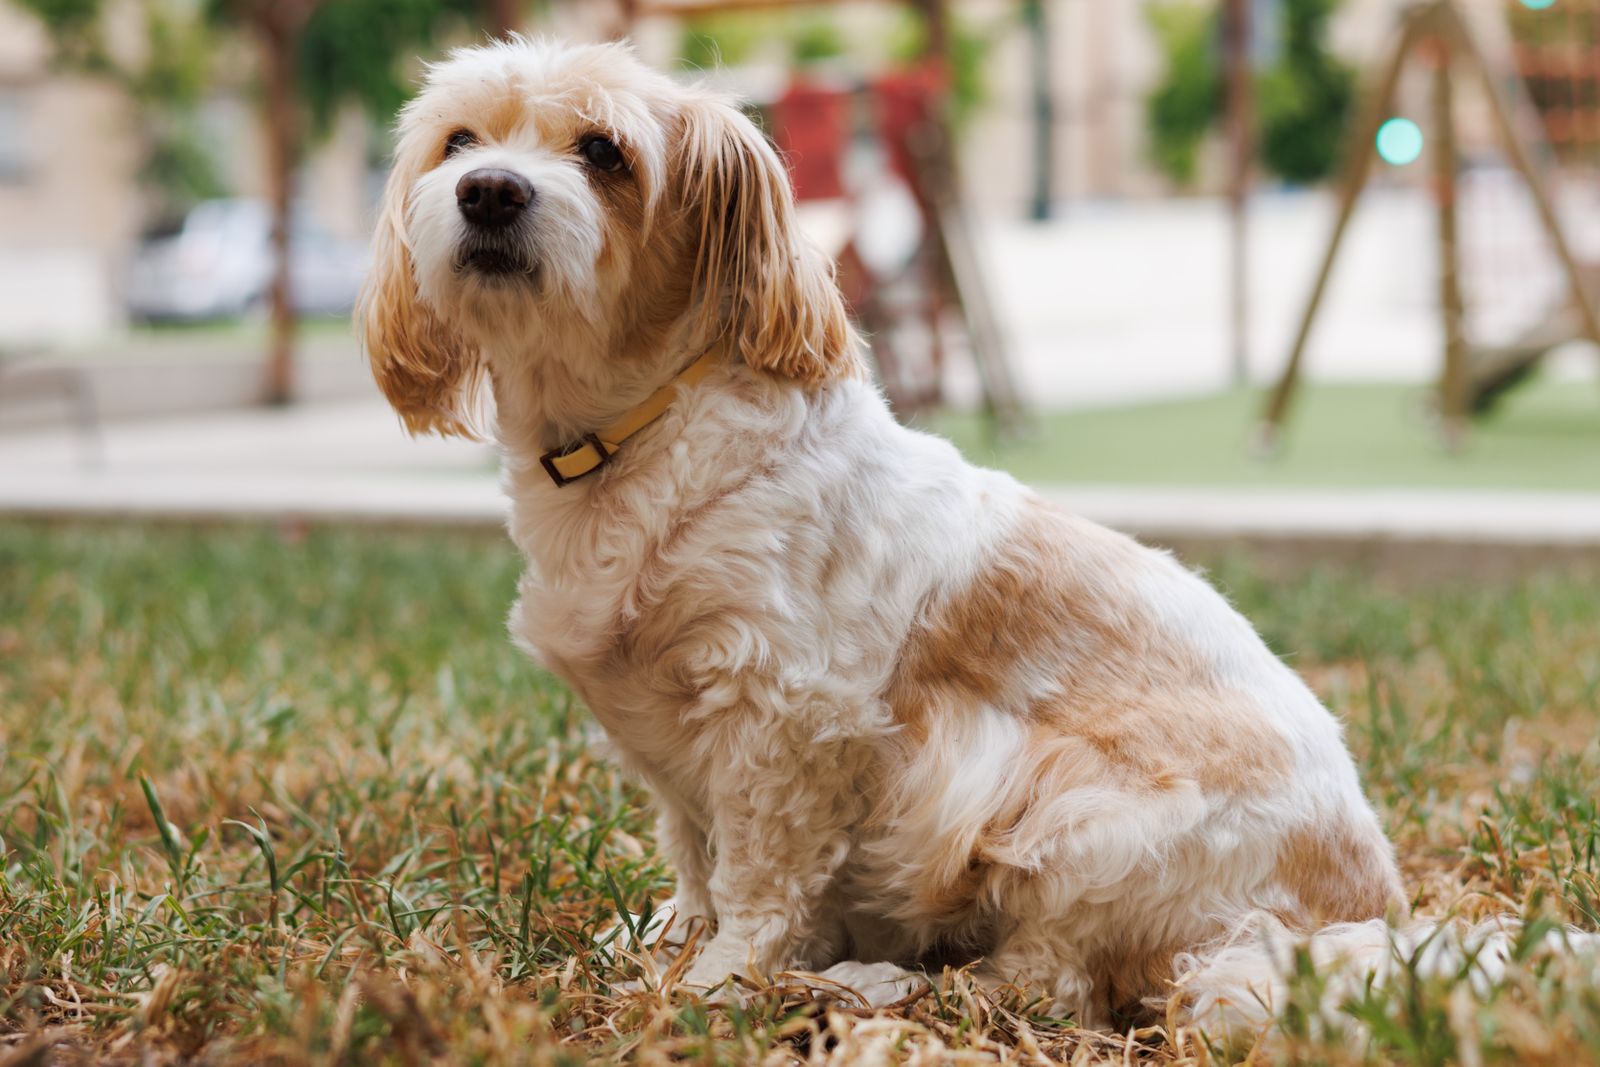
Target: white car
<point>219,265</point>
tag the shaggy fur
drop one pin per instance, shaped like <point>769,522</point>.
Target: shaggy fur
<point>893,708</point>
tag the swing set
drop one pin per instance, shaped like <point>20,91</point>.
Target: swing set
<point>1557,79</point>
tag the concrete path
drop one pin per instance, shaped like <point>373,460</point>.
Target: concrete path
<point>353,462</point>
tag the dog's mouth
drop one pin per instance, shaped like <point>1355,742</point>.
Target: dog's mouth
<point>493,262</point>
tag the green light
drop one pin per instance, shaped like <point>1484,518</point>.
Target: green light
<point>1400,142</point>
<point>1538,5</point>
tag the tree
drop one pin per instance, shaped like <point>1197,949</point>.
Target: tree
<point>164,78</point>
<point>276,27</point>
<point>1304,99</point>
<point>313,55</point>
<point>1182,109</point>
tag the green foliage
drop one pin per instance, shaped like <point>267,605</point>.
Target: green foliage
<point>1302,103</point>
<point>350,50</point>
<point>815,40</point>
<point>729,40</point>
<point>166,83</point>
<point>1305,101</point>
<point>74,26</point>
<point>355,50</point>
<point>178,171</point>
<point>712,41</point>
<point>1183,108</point>
<point>178,46</point>
<point>172,69</point>
<point>970,46</point>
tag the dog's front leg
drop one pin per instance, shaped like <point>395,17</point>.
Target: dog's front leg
<point>780,828</point>
<point>685,846</point>
<point>671,923</point>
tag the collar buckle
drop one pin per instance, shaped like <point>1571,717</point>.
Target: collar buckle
<point>588,440</point>
<point>589,453</point>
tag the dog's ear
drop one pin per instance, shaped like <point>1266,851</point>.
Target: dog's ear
<point>430,375</point>
<point>762,283</point>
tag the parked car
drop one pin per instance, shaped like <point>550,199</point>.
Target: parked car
<point>219,265</point>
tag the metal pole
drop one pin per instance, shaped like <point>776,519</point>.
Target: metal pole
<point>1241,118</point>
<point>1361,152</point>
<point>1043,109</point>
<point>1453,382</point>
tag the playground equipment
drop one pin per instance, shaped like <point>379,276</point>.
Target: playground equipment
<point>902,307</point>
<point>1558,71</point>
<point>1472,378</point>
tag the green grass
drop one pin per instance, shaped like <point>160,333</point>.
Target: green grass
<point>294,798</point>
<point>1545,436</point>
<point>205,342</point>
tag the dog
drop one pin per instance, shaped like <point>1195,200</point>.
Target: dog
<point>895,710</point>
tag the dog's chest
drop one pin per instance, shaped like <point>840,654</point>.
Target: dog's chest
<point>733,611</point>
<point>642,614</point>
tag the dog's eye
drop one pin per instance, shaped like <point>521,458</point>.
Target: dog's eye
<point>459,141</point>
<point>602,152</point>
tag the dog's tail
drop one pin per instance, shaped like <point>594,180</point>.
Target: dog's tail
<point>1239,989</point>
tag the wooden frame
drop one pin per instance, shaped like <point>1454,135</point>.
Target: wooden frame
<point>1440,22</point>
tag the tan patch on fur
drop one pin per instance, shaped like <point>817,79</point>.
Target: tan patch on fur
<point>1127,975</point>
<point>1145,744</point>
<point>946,900</point>
<point>763,284</point>
<point>428,373</point>
<point>1039,600</point>
<point>1125,698</point>
<point>505,112</point>
<point>1159,738</point>
<point>1123,706</point>
<point>1341,873</point>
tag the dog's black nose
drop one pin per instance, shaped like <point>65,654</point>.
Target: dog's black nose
<point>493,198</point>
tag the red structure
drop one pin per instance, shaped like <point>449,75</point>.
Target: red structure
<point>1558,55</point>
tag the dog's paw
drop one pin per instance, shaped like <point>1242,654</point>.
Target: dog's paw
<point>721,965</point>
<point>715,986</point>
<point>873,985</point>
<point>710,970</point>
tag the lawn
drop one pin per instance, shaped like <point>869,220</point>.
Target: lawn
<point>292,797</point>
<point>1546,436</point>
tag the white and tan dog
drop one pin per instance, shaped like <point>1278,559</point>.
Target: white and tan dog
<point>893,708</point>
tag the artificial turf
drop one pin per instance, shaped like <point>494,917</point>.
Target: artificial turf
<point>1544,436</point>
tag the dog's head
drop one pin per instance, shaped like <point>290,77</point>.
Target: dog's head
<point>569,208</point>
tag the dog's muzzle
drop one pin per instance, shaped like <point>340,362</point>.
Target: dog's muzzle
<point>494,203</point>
<point>492,259</point>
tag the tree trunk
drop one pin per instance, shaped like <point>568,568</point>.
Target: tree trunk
<point>278,24</point>
<point>936,27</point>
<point>1241,150</point>
<point>502,18</point>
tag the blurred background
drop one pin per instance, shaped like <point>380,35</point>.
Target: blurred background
<point>1174,258</point>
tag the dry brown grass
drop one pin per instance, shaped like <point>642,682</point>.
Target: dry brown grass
<point>273,800</point>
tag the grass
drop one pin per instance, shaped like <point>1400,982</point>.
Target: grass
<point>208,342</point>
<point>1545,436</point>
<point>292,797</point>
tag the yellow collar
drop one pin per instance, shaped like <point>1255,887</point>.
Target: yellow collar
<point>591,453</point>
